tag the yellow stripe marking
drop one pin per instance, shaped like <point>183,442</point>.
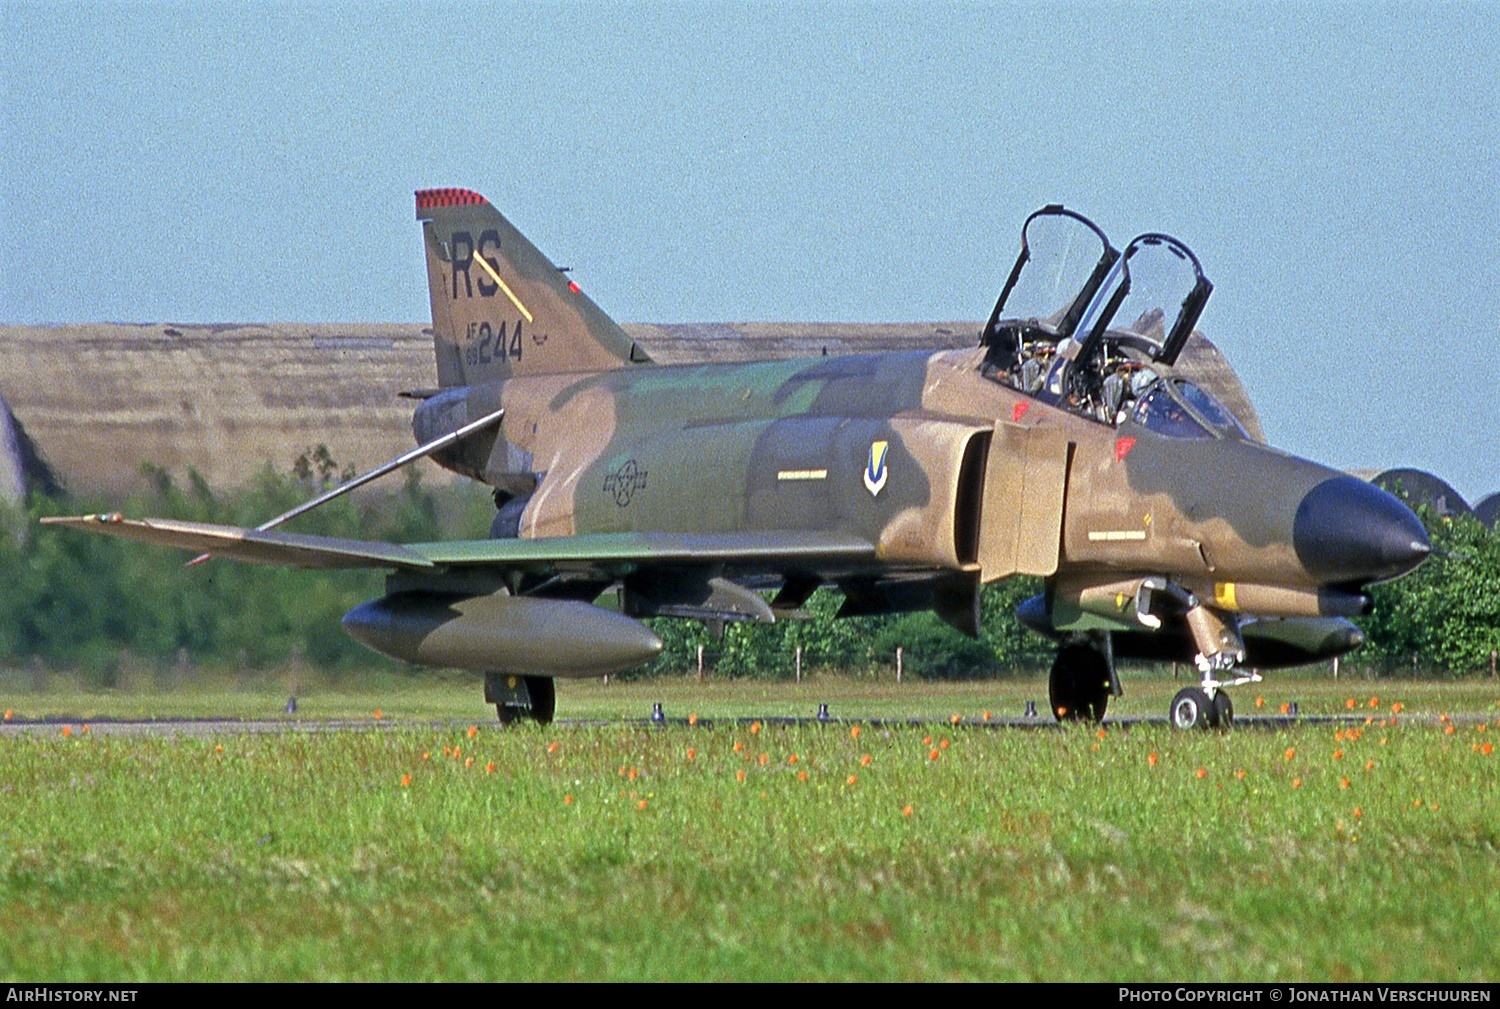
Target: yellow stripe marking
<point>1116,535</point>
<point>503,286</point>
<point>1224,596</point>
<point>802,474</point>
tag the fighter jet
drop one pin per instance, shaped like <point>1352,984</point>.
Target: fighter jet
<point>1061,444</point>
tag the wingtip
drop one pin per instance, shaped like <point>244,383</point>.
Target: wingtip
<point>107,518</point>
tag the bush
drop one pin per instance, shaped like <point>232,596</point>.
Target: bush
<point>1446,614</point>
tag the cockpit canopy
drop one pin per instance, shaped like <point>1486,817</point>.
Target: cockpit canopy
<point>1063,262</point>
<point>1090,328</point>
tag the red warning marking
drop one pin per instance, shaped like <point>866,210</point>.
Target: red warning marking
<point>573,286</point>
<point>429,198</point>
<point>1019,410</point>
<point>1123,447</point>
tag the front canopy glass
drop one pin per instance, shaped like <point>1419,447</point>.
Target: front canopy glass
<point>1063,261</point>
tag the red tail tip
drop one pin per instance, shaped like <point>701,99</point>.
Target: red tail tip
<point>427,199</point>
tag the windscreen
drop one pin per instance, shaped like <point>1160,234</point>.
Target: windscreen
<point>1177,408</point>
<point>1161,412</point>
<point>1210,409</point>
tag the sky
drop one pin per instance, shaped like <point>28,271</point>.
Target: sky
<point>1336,167</point>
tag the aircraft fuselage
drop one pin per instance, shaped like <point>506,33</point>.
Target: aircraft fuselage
<point>929,458</point>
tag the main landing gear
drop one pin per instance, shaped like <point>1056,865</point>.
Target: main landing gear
<point>516,697</point>
<point>1081,683</point>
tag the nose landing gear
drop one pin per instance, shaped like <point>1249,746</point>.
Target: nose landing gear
<point>1220,650</point>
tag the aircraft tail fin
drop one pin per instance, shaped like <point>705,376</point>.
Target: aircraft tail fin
<point>500,308</point>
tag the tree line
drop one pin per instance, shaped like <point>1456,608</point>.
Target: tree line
<point>74,601</point>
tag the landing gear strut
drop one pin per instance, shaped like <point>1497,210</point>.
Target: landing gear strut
<point>1080,684</point>
<point>517,697</point>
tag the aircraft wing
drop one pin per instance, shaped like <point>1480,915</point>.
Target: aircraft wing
<point>296,550</point>
<point>610,554</point>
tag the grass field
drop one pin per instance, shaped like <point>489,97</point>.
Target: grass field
<point>417,847</point>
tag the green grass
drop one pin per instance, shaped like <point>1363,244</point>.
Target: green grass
<point>627,852</point>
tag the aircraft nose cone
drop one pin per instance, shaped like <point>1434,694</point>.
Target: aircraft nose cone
<point>1347,530</point>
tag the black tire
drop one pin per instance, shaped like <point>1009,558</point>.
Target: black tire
<point>543,691</point>
<point>1222,710</point>
<point>1191,709</point>
<point>1078,688</point>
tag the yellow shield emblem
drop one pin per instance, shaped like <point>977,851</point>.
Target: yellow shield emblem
<point>875,468</point>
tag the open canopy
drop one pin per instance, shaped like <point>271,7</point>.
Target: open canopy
<point>1081,324</point>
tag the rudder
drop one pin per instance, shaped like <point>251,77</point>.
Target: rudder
<point>499,307</point>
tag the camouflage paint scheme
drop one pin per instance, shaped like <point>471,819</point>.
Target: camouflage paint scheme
<point>907,479</point>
